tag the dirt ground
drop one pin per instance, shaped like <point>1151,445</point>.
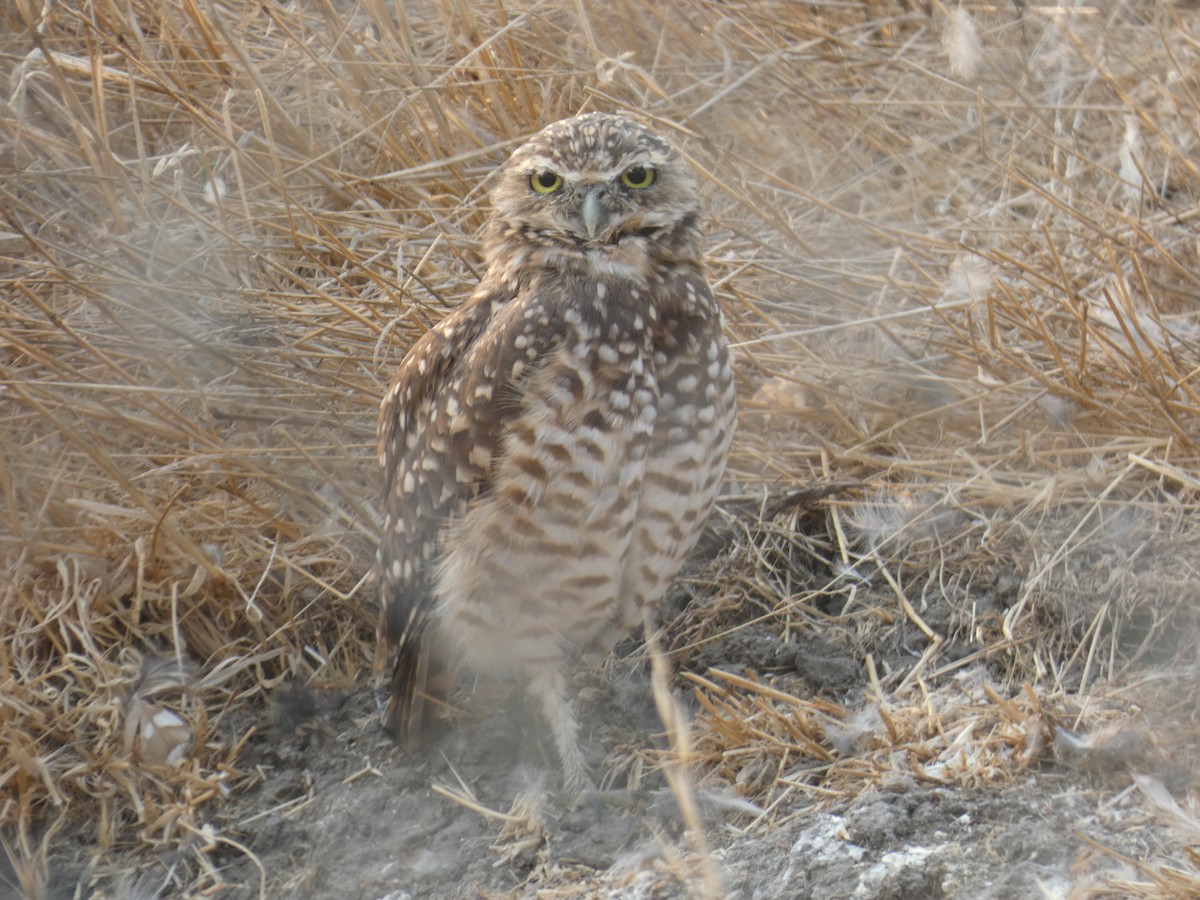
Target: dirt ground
<point>385,834</point>
<point>336,809</point>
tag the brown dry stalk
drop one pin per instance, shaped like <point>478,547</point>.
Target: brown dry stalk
<point>961,286</point>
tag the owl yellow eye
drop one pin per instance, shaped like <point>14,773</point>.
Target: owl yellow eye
<point>637,177</point>
<point>545,182</point>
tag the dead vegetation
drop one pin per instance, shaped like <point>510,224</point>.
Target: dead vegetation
<point>959,248</point>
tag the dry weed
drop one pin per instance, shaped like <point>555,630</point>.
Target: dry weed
<point>957,247</point>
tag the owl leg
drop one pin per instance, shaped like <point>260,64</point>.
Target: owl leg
<point>549,688</point>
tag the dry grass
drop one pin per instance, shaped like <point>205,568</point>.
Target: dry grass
<point>958,251</point>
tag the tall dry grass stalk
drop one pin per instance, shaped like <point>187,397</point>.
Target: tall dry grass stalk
<point>959,255</point>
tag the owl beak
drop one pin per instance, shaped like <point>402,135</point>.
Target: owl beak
<point>590,211</point>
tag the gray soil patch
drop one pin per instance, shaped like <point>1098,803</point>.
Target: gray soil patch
<point>342,812</point>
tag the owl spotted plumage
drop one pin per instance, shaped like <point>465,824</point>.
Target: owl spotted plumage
<point>551,449</point>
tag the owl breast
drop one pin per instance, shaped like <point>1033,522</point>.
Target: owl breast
<point>601,484</point>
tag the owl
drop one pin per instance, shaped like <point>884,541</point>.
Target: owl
<point>551,449</point>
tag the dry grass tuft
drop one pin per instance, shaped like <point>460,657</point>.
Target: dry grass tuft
<point>958,251</point>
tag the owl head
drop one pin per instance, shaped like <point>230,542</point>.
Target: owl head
<point>594,181</point>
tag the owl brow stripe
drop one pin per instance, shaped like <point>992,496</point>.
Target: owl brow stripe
<point>539,163</point>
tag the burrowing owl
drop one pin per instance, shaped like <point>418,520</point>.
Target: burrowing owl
<point>551,449</point>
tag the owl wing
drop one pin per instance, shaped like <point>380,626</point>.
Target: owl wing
<point>440,424</point>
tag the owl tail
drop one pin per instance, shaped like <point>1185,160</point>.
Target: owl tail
<point>417,684</point>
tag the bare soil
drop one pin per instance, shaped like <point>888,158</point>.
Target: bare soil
<point>338,810</point>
